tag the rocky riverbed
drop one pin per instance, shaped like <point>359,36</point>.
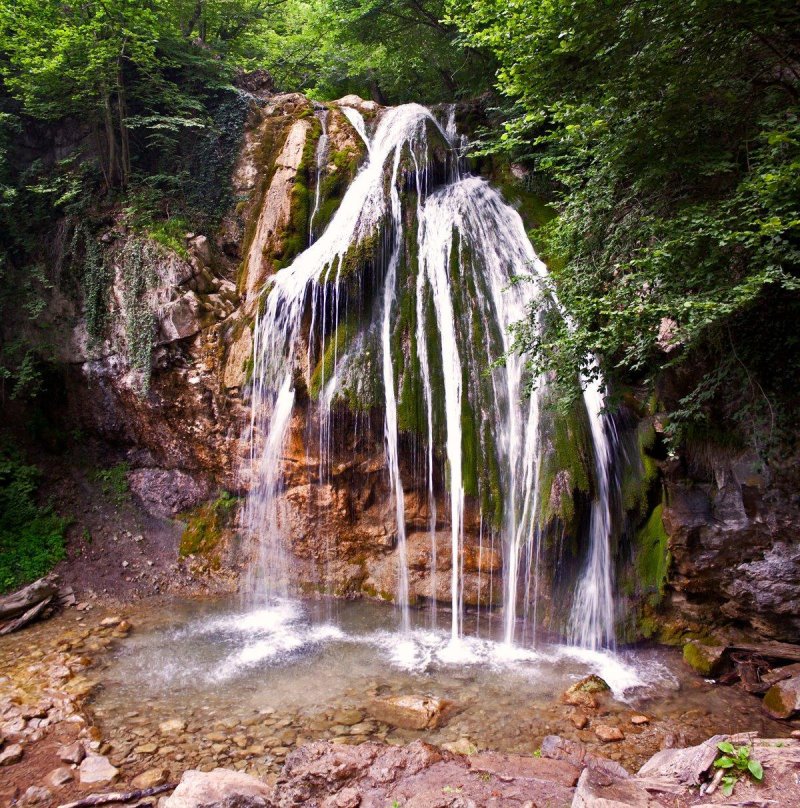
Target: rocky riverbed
<point>69,728</point>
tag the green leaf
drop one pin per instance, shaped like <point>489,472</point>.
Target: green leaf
<point>755,768</point>
<point>727,747</point>
<point>724,762</point>
<point>727,787</point>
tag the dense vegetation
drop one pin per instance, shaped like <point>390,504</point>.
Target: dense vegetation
<point>31,537</point>
<point>671,133</point>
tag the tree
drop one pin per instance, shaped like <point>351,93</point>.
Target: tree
<point>672,134</point>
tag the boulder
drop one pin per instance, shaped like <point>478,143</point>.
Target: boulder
<point>167,492</point>
<point>783,698</point>
<point>707,660</point>
<point>219,787</point>
<point>97,770</point>
<point>410,712</point>
<point>180,318</point>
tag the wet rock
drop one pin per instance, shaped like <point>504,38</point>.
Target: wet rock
<point>11,754</point>
<point>348,718</point>
<point>59,777</point>
<point>607,734</point>
<point>97,770</point>
<point>639,720</point>
<point>410,712</point>
<point>463,746</point>
<point>219,787</point>
<point>173,726</point>
<point>707,660</point>
<point>150,778</point>
<point>579,721</point>
<point>146,749</point>
<point>782,700</point>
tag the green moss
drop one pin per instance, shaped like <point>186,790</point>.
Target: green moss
<point>703,657</point>
<point>640,473</point>
<point>113,482</point>
<point>205,524</point>
<point>532,207</point>
<point>653,558</point>
<point>170,233</point>
<point>334,349</point>
<point>566,467</point>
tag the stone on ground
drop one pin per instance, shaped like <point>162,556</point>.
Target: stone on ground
<point>607,734</point>
<point>219,787</point>
<point>173,726</point>
<point>72,753</point>
<point>410,712</point>
<point>600,789</point>
<point>11,754</point>
<point>150,778</point>
<point>59,777</point>
<point>97,770</point>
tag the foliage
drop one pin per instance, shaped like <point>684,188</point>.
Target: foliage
<point>672,132</point>
<point>113,482</point>
<point>736,762</point>
<point>31,537</point>
<point>140,321</point>
<point>204,525</point>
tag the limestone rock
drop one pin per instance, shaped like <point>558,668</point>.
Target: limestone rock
<point>410,712</point>
<point>72,753</point>
<point>180,318</point>
<point>783,698</point>
<point>97,770</point>
<point>167,492</point>
<point>219,787</point>
<point>639,720</point>
<point>11,754</point>
<point>59,777</point>
<point>150,778</point>
<point>348,718</point>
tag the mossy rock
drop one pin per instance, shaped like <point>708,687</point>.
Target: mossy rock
<point>590,684</point>
<point>705,658</point>
<point>205,526</point>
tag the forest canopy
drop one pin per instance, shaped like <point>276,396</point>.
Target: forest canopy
<point>665,134</point>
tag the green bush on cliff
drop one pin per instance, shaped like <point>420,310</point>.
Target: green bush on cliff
<point>31,537</point>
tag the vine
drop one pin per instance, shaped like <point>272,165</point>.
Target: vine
<point>140,321</point>
<point>95,280</point>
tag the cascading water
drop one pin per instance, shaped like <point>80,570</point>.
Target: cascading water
<point>468,272</point>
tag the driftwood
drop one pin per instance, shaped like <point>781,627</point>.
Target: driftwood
<point>771,650</point>
<point>119,796</point>
<point>18,603</point>
<point>26,618</point>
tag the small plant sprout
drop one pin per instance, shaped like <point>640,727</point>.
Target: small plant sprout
<point>735,763</point>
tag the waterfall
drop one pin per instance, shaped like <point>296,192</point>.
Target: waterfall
<point>457,284</point>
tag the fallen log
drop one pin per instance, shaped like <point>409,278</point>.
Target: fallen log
<point>119,796</point>
<point>26,618</point>
<point>19,602</point>
<point>770,650</point>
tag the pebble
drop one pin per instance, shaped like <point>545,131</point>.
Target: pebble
<point>146,748</point>
<point>579,721</point>
<point>638,720</point>
<point>150,778</point>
